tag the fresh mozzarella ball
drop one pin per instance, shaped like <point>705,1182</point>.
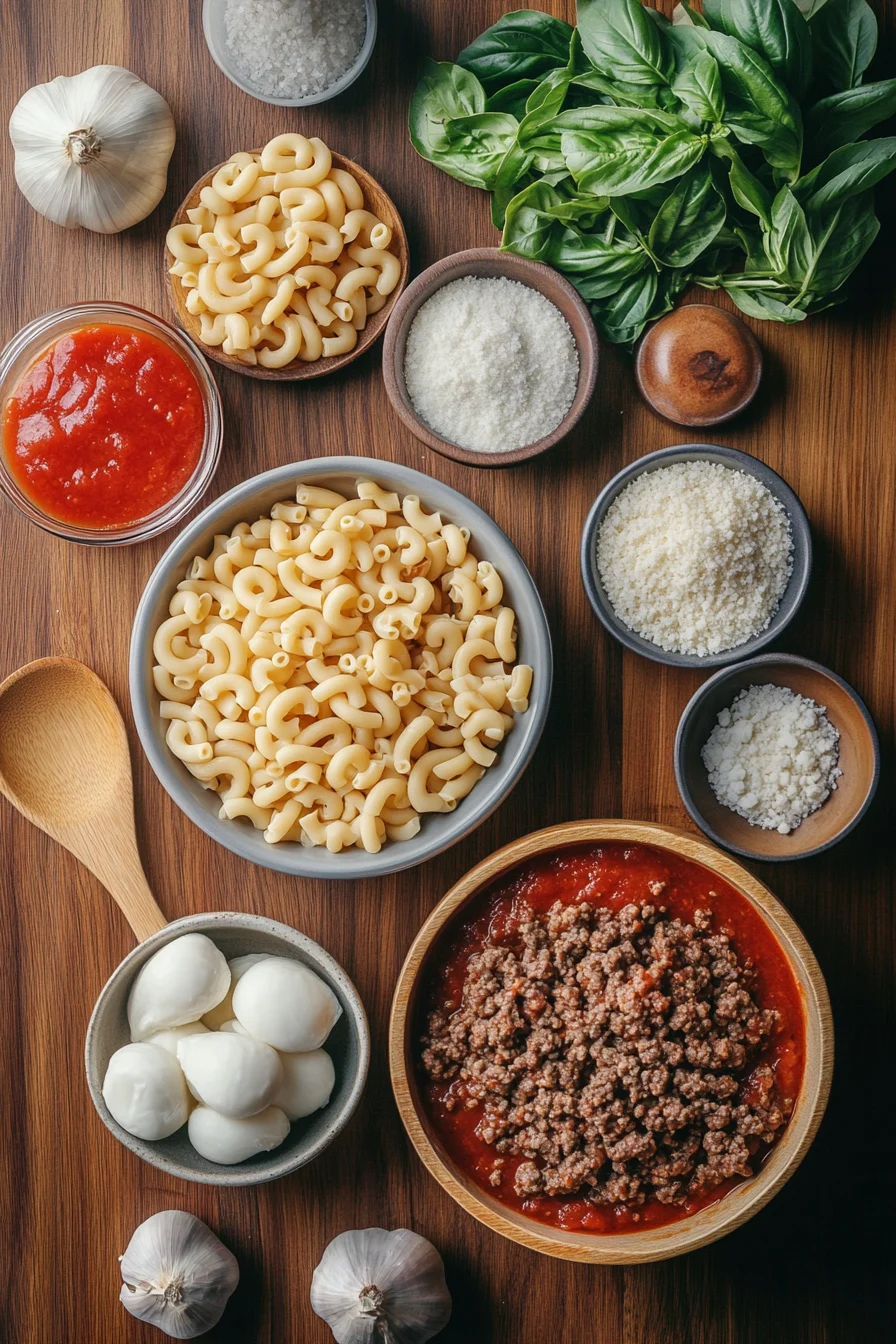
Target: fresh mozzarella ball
<point>285,1004</point>
<point>231,1073</point>
<point>145,1091</point>
<point>233,1025</point>
<point>307,1083</point>
<point>183,980</point>
<point>221,1138</point>
<point>224,1011</point>
<point>169,1038</point>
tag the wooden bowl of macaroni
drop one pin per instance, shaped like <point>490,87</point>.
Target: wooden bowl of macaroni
<point>340,668</point>
<point>285,262</point>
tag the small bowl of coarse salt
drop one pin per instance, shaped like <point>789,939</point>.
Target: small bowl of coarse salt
<point>696,555</point>
<point>293,53</point>
<point>776,758</point>
<point>489,358</point>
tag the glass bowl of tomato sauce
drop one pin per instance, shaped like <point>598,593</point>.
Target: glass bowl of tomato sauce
<point>110,423</point>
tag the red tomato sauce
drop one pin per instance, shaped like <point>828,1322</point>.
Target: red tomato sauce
<point>105,427</point>
<point>609,876</point>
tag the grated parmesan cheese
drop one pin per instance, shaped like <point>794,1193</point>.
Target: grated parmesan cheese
<point>772,757</point>
<point>695,557</point>
<point>490,364</point>
<point>294,48</point>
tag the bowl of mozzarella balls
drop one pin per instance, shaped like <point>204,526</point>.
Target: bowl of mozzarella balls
<point>227,1049</point>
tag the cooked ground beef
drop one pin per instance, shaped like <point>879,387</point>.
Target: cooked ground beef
<point>607,1050</point>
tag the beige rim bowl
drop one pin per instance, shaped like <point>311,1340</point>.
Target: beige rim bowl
<point>701,1228</point>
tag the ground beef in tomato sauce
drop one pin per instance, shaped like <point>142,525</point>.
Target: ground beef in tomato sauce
<point>609,1050</point>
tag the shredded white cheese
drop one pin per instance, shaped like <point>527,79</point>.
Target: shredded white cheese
<point>294,48</point>
<point>490,364</point>
<point>695,557</point>
<point>772,757</point>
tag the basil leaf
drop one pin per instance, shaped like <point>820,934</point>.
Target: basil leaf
<point>598,265</point>
<point>445,91</point>
<point>758,109</point>
<point>609,162</point>
<point>846,172</point>
<point>748,191</point>
<point>623,316</point>
<point>688,220</point>
<point>845,117</point>
<point>789,243</point>
<point>527,225</point>
<point>759,303</point>
<point>524,43</point>
<point>844,39</point>
<point>699,87</point>
<point>844,236</point>
<point>512,98</point>
<point>478,147</point>
<point>622,43</point>
<point>775,29</point>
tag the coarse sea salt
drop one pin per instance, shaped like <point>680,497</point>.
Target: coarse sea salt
<point>294,48</point>
<point>490,364</point>
<point>772,757</point>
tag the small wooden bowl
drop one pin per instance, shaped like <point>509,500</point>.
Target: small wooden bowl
<point>703,1227</point>
<point>859,759</point>
<point>489,263</point>
<point>376,200</point>
<point>698,366</point>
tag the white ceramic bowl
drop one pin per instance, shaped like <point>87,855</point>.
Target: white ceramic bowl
<point>213,27</point>
<point>439,831</point>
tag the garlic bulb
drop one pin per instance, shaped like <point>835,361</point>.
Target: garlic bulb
<point>375,1285</point>
<point>177,1274</point>
<point>92,150</point>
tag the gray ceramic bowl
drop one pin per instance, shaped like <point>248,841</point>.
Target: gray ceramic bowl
<point>439,831</point>
<point>348,1044</point>
<point>729,457</point>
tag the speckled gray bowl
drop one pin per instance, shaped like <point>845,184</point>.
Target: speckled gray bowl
<point>348,1044</point>
<point>728,457</point>
<point>439,831</point>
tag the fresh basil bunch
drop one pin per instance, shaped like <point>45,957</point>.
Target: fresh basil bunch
<point>638,155</point>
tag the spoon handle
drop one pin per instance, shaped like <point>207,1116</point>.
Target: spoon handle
<point>111,855</point>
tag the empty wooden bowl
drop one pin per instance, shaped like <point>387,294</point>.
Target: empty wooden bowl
<point>489,263</point>
<point>375,200</point>
<point>859,758</point>
<point>700,1228</point>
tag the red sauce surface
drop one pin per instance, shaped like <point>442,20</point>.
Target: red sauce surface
<point>608,876</point>
<point>105,427</point>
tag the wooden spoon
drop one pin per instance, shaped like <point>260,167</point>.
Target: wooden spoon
<point>64,764</point>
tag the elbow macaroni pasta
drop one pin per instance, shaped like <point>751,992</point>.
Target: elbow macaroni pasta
<point>339,669</point>
<point>281,261</point>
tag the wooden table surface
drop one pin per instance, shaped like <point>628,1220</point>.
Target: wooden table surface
<point>811,1266</point>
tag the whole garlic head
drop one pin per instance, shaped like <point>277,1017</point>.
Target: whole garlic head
<point>375,1285</point>
<point>184,979</point>
<point>145,1091</point>
<point>221,1138</point>
<point>177,1275</point>
<point>223,1012</point>
<point>285,1004</point>
<point>233,1074</point>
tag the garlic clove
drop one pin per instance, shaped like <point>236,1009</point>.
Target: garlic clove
<point>233,1074</point>
<point>184,979</point>
<point>308,1080</point>
<point>285,1004</point>
<point>216,1018</point>
<point>224,1139</point>
<point>169,1038</point>
<point>177,1275</point>
<point>145,1091</point>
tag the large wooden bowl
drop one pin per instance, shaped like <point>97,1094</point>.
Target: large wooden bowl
<point>700,1228</point>
<point>376,200</point>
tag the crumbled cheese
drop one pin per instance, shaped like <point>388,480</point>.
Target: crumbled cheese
<point>772,757</point>
<point>294,48</point>
<point>695,557</point>
<point>490,364</point>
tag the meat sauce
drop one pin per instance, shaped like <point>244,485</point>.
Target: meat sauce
<point>615,875</point>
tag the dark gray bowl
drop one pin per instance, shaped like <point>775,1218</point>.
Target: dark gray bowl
<point>348,1044</point>
<point>729,457</point>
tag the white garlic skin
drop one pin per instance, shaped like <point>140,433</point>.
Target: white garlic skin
<point>285,1004</point>
<point>373,1285</point>
<point>223,1139</point>
<point>184,979</point>
<point>233,1074</point>
<point>145,1091</point>
<point>216,1018</point>
<point>307,1085</point>
<point>177,1275</point>
<point>169,1038</point>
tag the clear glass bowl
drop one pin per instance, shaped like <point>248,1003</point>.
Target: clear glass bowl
<point>29,343</point>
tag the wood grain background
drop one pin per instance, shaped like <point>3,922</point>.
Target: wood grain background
<point>811,1267</point>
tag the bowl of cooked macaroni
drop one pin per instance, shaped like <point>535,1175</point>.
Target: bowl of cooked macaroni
<point>285,262</point>
<point>340,668</point>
